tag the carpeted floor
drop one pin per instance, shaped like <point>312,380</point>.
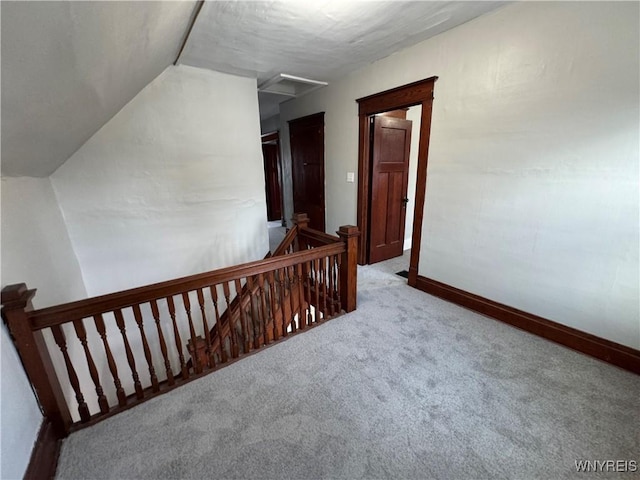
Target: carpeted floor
<point>408,386</point>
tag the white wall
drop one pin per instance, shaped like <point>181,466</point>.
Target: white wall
<point>35,250</point>
<point>172,185</point>
<point>270,124</point>
<point>532,191</point>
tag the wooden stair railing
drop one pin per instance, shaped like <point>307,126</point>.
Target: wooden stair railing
<point>309,239</point>
<point>115,351</point>
<point>286,246</point>
<point>319,291</point>
<point>318,301</point>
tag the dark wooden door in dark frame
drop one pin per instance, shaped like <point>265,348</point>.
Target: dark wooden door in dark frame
<point>390,149</point>
<point>417,93</point>
<point>272,175</point>
<point>307,167</point>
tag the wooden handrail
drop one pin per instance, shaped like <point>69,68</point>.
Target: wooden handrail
<point>66,312</point>
<point>318,236</point>
<point>287,241</point>
<point>311,279</point>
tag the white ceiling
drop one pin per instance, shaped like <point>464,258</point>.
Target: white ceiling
<point>68,67</point>
<point>322,40</point>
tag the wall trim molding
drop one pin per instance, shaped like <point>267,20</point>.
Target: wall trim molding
<point>45,453</point>
<point>597,347</point>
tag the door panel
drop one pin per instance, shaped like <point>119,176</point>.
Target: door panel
<point>389,176</point>
<point>307,164</point>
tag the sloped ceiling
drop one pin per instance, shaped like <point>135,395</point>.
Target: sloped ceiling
<point>68,67</point>
<point>322,40</point>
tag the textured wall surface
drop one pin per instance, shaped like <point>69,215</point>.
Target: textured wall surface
<point>35,250</point>
<point>532,191</point>
<point>172,185</point>
<point>68,67</point>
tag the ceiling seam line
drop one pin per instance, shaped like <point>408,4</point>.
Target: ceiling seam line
<point>196,12</point>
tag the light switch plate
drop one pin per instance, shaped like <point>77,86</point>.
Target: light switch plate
<point>351,177</point>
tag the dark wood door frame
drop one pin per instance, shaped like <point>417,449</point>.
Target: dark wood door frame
<point>417,93</point>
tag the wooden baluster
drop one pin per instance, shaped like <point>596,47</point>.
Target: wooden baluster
<point>232,327</point>
<point>163,346</point>
<point>176,335</point>
<point>214,297</point>
<point>304,287</point>
<point>99,322</point>
<point>272,296</point>
<point>145,347</point>
<point>273,275</point>
<point>249,320</point>
<point>294,295</point>
<point>302,312</point>
<point>263,309</point>
<point>132,363</point>
<point>243,320</point>
<point>258,311</point>
<point>307,278</point>
<point>267,299</point>
<point>317,279</point>
<point>338,284</point>
<point>61,341</point>
<point>323,282</point>
<point>207,333</point>
<point>254,315</point>
<point>332,267</point>
<point>281,277</point>
<point>290,284</point>
<point>81,333</point>
<point>195,361</point>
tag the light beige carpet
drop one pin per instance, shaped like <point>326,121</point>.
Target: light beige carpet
<point>408,386</point>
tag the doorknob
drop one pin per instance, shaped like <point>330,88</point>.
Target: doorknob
<point>405,200</point>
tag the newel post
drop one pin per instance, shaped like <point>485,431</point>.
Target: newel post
<point>16,303</point>
<point>300,219</point>
<point>349,267</point>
